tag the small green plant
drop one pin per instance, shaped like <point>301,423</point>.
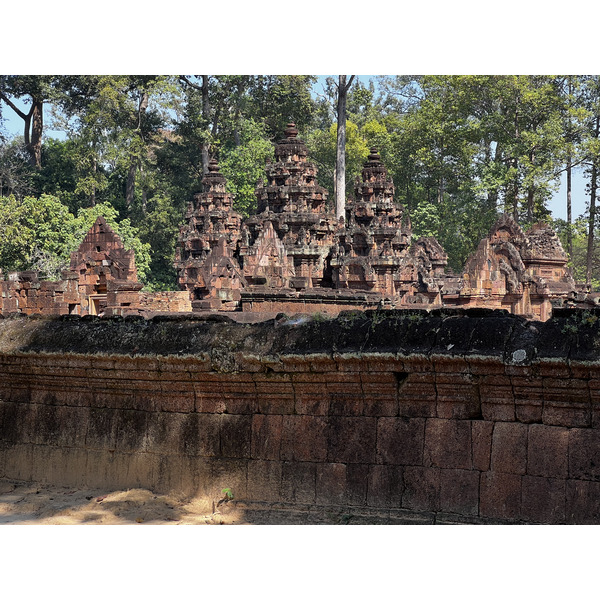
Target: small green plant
<point>319,317</point>
<point>227,493</point>
<point>570,328</point>
<point>576,321</point>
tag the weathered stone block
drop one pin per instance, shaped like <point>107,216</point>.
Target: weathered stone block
<point>497,400</point>
<point>500,496</point>
<point>527,389</point>
<point>582,505</point>
<point>140,472</point>
<point>310,399</point>
<point>304,438</point>
<point>176,396</point>
<point>228,473</point>
<point>131,430</point>
<point>459,491</point>
<point>457,396</point>
<point>345,398</point>
<point>236,436</point>
<point>543,500</point>
<point>417,396</point>
<point>298,482</point>
<point>356,484</point>
<point>275,398</point>
<point>554,368</point>
<point>11,421</point>
<point>101,432</point>
<point>266,436</point>
<point>18,462</point>
<point>264,480</point>
<point>421,488</point>
<point>547,451</point>
<point>385,486</point>
<point>584,454</point>
<point>529,410</point>
<point>481,440</point>
<point>485,365</point>
<point>569,413</point>
<point>509,448</point>
<point>351,439</point>
<point>447,444</point>
<point>331,483</point>
<point>238,396</point>
<point>114,398</point>
<point>400,440</point>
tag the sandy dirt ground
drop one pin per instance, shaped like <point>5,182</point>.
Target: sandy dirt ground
<point>36,504</point>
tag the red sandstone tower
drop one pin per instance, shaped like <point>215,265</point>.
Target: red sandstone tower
<point>372,246</point>
<point>101,261</point>
<point>295,205</point>
<point>207,244</point>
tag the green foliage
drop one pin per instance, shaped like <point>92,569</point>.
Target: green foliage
<point>578,259</point>
<point>16,174</point>
<point>458,148</point>
<point>129,234</point>
<point>243,165</point>
<point>322,150</point>
<point>36,233</point>
<point>425,220</point>
<point>158,230</point>
<point>40,234</point>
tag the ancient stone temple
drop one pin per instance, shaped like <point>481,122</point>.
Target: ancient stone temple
<point>373,245</point>
<point>524,273</point>
<point>295,206</point>
<point>101,260</point>
<point>207,242</point>
<point>293,256</point>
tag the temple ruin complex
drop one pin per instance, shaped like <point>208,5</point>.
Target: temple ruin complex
<point>293,256</point>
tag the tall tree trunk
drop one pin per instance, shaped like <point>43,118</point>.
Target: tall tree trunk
<point>340,162</point>
<point>515,165</point>
<point>515,194</point>
<point>531,193</point>
<point>37,127</point>
<point>569,211</point>
<point>135,163</point>
<point>569,173</point>
<point>591,225</point>
<point>144,191</point>
<point>530,202</point>
<point>206,117</point>
<point>130,186</point>
<point>33,126</point>
<point>492,199</point>
<point>93,193</point>
<point>592,218</point>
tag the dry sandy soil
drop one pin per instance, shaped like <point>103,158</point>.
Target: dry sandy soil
<point>36,504</point>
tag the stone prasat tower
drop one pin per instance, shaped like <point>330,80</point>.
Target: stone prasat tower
<point>374,243</point>
<point>207,243</point>
<point>524,273</point>
<point>296,207</point>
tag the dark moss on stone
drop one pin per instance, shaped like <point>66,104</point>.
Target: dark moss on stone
<point>451,332</point>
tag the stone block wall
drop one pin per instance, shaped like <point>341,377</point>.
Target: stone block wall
<point>24,293</point>
<point>426,435</point>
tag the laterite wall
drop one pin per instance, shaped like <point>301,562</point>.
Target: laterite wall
<point>449,416</point>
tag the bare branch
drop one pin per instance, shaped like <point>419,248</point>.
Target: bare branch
<point>184,79</point>
<point>19,112</point>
